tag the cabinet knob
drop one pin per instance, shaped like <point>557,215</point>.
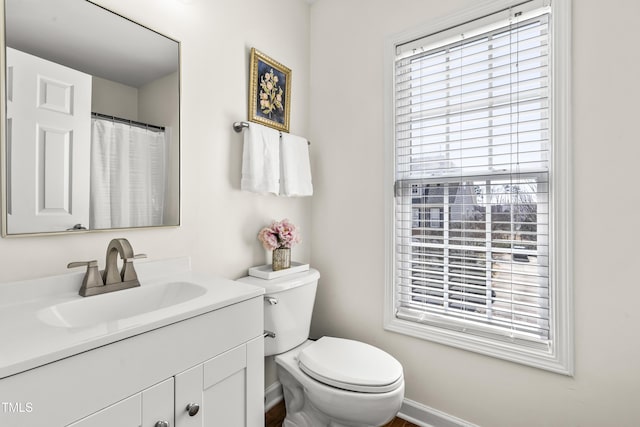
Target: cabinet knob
<point>162,424</point>
<point>192,409</point>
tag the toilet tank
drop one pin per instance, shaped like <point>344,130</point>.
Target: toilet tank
<point>288,304</point>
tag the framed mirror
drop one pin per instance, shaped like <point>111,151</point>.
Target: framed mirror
<point>91,114</point>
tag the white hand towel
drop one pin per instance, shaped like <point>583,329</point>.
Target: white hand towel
<point>261,160</point>
<point>296,169</point>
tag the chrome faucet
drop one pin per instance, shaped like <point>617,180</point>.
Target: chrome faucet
<point>110,279</point>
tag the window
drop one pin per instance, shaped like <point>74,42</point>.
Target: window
<point>479,255</point>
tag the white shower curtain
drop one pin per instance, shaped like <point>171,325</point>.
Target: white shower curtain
<point>128,178</point>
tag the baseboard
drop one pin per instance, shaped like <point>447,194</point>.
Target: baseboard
<point>272,395</point>
<point>414,412</point>
<point>425,416</point>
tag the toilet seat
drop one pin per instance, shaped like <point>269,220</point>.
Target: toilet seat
<point>351,365</point>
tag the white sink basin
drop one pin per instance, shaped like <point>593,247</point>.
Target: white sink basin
<point>119,305</point>
<point>43,320</point>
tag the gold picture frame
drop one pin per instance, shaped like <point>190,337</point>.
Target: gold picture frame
<point>269,92</point>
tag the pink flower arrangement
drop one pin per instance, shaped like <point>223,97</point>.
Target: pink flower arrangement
<point>280,234</point>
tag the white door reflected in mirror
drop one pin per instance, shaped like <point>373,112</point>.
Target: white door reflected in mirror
<point>48,180</point>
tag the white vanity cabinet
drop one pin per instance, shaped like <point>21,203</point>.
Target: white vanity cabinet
<point>213,360</point>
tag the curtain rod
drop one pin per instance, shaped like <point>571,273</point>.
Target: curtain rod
<point>240,126</point>
<point>127,121</point>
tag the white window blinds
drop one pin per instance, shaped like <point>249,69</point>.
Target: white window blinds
<point>472,156</point>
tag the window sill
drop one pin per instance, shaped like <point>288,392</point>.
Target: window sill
<point>553,360</point>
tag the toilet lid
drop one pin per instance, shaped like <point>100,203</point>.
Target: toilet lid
<point>350,365</point>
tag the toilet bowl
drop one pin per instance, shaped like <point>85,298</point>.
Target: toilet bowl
<point>328,398</point>
<point>331,382</point>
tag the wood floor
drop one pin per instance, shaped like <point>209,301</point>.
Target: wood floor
<point>274,418</point>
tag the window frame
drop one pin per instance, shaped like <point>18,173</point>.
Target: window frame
<point>559,355</point>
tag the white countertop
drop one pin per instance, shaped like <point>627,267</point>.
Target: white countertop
<point>28,342</point>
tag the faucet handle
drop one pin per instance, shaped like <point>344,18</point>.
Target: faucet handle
<point>136,256</point>
<point>92,277</point>
<point>89,264</point>
<point>128,273</point>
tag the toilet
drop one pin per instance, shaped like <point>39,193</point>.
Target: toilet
<point>332,382</point>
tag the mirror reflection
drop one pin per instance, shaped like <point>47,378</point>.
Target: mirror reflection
<point>92,120</point>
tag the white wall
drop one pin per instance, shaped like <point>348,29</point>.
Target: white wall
<point>114,99</point>
<point>157,104</point>
<point>347,39</point>
<point>219,222</point>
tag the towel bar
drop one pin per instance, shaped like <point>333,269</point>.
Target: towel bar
<point>239,127</point>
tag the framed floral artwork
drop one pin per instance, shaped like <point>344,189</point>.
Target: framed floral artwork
<point>269,91</point>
